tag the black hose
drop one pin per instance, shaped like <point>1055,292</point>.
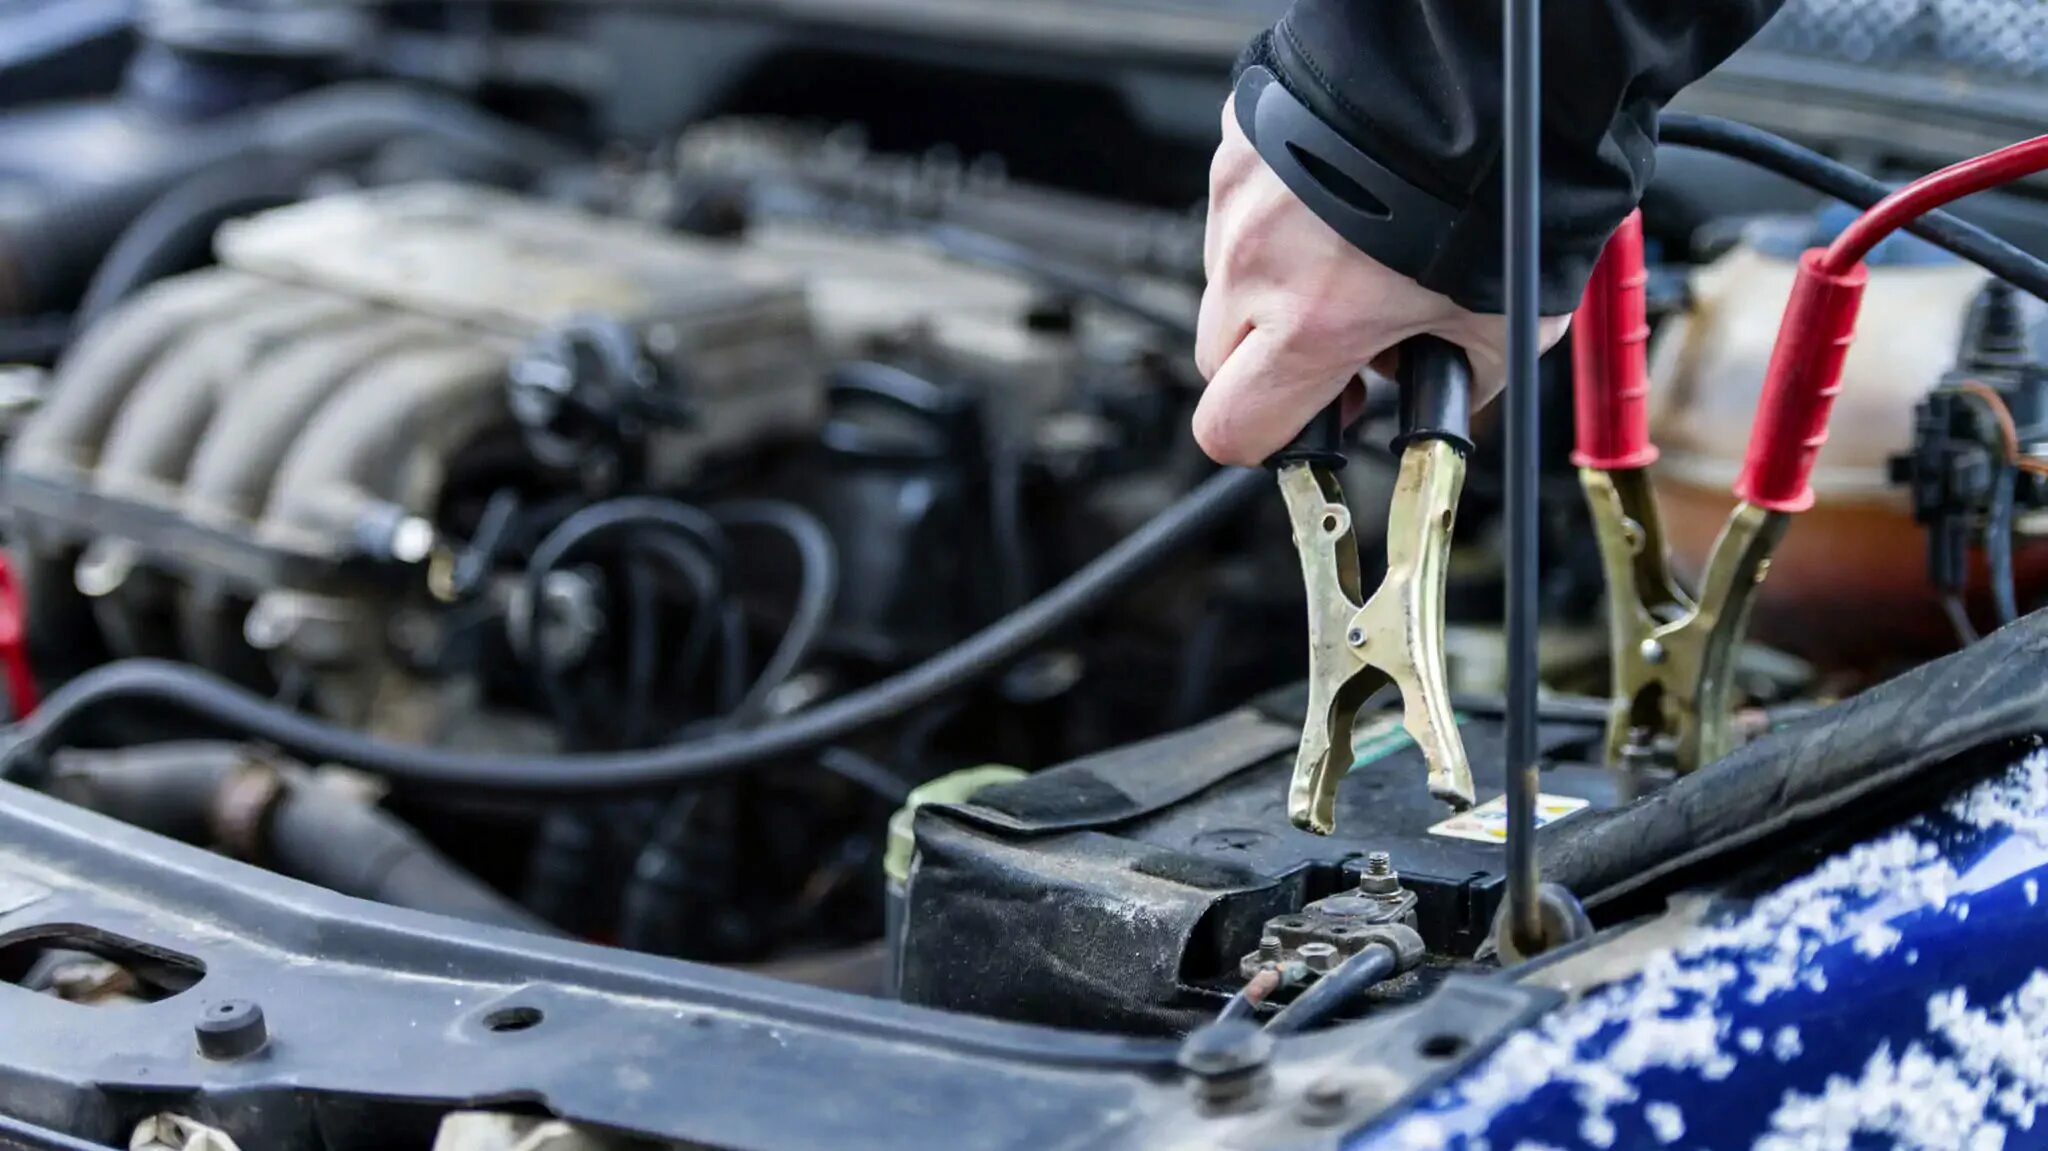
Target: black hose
<point>175,233</point>
<point>817,591</point>
<point>707,630</point>
<point>1334,992</point>
<point>1998,529</point>
<point>862,770</point>
<point>637,693</point>
<point>1832,178</point>
<point>48,256</point>
<point>312,832</point>
<point>582,529</point>
<point>325,836</point>
<point>1218,502</point>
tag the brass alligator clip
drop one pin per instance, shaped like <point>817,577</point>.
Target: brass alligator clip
<point>1359,645</point>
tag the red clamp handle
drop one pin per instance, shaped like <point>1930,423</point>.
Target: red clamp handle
<point>1801,384</point>
<point>14,665</point>
<point>1610,361</point>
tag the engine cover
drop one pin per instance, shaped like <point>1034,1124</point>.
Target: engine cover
<point>1123,891</point>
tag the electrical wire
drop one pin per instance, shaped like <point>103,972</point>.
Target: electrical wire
<point>1958,613</point>
<point>2008,430</point>
<point>1935,190</point>
<point>679,522</point>
<point>1217,502</point>
<point>817,591</point>
<point>1832,178</point>
<point>852,766</point>
<point>981,248</point>
<point>1998,527</point>
<point>1335,991</point>
<point>1255,991</point>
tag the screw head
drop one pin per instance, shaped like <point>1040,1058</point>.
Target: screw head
<point>230,1029</point>
<point>1356,637</point>
<point>1223,1050</point>
<point>1324,1100</point>
<point>1651,651</point>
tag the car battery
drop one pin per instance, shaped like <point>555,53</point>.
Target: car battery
<point>1128,890</point>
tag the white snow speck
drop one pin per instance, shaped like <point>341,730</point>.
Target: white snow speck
<point>2032,888</point>
<point>1915,1102</point>
<point>1877,940</point>
<point>1750,1039</point>
<point>1666,1121</point>
<point>1785,1044</point>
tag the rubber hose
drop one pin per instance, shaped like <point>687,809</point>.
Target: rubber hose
<point>175,233</point>
<point>313,833</point>
<point>1218,502</point>
<point>1830,177</point>
<point>327,837</point>
<point>48,259</point>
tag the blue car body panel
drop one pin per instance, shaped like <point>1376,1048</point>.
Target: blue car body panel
<point>1896,995</point>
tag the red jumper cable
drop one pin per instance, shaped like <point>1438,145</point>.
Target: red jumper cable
<point>1673,656</point>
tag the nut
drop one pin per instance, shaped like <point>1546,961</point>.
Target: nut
<point>1319,957</point>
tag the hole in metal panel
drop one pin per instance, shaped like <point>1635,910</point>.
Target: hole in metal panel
<point>506,1019</point>
<point>94,968</point>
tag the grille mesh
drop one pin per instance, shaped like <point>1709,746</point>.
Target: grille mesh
<point>1993,38</point>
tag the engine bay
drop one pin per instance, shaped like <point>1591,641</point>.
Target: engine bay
<point>501,499</point>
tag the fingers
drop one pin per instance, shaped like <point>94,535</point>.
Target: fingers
<point>1261,397</point>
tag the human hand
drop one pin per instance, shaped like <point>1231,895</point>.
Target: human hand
<point>1293,312</point>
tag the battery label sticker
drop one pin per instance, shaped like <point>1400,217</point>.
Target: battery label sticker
<point>1488,823</point>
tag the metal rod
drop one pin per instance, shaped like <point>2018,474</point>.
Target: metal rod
<point>1522,38</point>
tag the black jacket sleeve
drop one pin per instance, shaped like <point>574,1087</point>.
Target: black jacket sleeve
<point>1416,84</point>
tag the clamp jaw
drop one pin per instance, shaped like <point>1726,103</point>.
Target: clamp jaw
<point>1672,655</point>
<point>1358,645</point>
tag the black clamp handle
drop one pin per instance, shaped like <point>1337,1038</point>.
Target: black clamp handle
<point>1436,394</point>
<point>1436,404</point>
<point>1320,444</point>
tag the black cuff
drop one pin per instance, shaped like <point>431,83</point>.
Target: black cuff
<point>1453,245</point>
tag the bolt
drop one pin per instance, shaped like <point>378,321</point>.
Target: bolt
<point>1269,948</point>
<point>1652,651</point>
<point>1319,956</point>
<point>1323,1101</point>
<point>1356,636</point>
<point>231,1029</point>
<point>1227,1062</point>
<point>1379,879</point>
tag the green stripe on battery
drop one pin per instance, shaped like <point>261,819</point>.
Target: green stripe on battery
<point>1383,737</point>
